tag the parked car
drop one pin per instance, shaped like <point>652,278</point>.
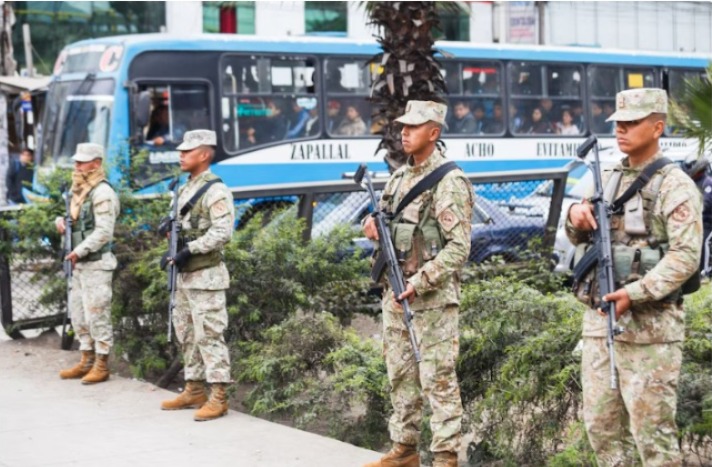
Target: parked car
<point>495,233</point>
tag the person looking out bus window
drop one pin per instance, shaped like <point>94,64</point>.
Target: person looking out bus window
<point>598,120</point>
<point>479,114</point>
<point>495,125</point>
<point>462,121</point>
<point>538,123</point>
<point>516,120</point>
<point>273,127</point>
<point>159,126</point>
<point>333,112</point>
<point>546,105</point>
<point>296,125</point>
<point>566,126</point>
<point>352,124</point>
<point>312,125</point>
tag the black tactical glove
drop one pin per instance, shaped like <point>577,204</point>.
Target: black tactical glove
<point>164,260</point>
<point>164,227</point>
<point>182,257</point>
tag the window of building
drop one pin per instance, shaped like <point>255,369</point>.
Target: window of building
<point>547,99</point>
<point>267,100</point>
<point>56,24</point>
<point>244,15</point>
<point>604,82</point>
<point>325,17</point>
<point>454,22</point>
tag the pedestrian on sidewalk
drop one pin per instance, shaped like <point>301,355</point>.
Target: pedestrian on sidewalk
<point>19,176</point>
<point>94,209</point>
<point>432,233</point>
<point>200,314</point>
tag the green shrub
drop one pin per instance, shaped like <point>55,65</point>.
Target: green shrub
<point>320,375</point>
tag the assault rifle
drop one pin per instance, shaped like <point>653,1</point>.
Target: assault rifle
<point>602,244</point>
<point>395,274</point>
<point>174,225</point>
<point>67,334</point>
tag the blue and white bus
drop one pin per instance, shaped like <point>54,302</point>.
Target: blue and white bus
<point>296,109</point>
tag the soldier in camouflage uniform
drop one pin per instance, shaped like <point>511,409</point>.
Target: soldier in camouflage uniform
<point>656,248</point>
<point>200,315</point>
<point>94,208</point>
<point>433,237</point>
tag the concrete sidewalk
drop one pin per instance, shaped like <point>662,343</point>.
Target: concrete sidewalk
<point>45,421</point>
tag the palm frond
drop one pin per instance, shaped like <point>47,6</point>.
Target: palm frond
<point>691,114</point>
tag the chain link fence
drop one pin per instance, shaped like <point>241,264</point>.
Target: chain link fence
<point>514,213</point>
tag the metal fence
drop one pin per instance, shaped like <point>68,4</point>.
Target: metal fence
<point>513,209</point>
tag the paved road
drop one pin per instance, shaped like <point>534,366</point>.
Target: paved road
<point>45,421</point>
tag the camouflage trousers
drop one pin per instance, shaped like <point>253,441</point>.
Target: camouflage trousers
<point>434,378</point>
<point>637,421</point>
<point>199,318</point>
<point>90,302</point>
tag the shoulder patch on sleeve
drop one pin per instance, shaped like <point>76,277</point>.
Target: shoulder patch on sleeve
<point>448,220</point>
<point>102,207</point>
<point>681,213</point>
<point>219,209</point>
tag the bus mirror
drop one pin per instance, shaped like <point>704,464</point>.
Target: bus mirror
<point>143,109</point>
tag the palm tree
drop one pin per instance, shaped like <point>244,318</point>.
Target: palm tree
<point>692,112</point>
<point>406,69</point>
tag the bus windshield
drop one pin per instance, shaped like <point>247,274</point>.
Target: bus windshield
<point>76,112</point>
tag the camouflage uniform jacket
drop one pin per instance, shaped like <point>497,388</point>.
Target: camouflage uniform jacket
<point>218,203</point>
<point>437,281</point>
<point>676,219</point>
<point>106,208</point>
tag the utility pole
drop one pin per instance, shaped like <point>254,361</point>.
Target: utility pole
<point>541,8</point>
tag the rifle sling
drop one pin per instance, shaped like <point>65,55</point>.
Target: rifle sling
<point>590,258</point>
<point>426,183</point>
<point>429,181</point>
<point>198,194</point>
<point>639,183</point>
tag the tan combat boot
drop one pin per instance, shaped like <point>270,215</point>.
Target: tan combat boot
<point>81,368</point>
<point>401,455</point>
<point>216,406</point>
<point>445,459</point>
<point>192,396</point>
<point>99,372</point>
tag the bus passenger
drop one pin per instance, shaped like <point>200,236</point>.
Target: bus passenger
<point>274,127</point>
<point>479,114</point>
<point>516,121</point>
<point>495,125</point>
<point>159,126</point>
<point>298,122</point>
<point>600,125</point>
<point>333,111</point>
<point>538,124</point>
<point>352,124</point>
<point>462,121</point>
<point>312,125</point>
<point>566,125</point>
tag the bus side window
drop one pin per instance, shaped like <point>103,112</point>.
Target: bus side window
<point>676,84</point>
<point>453,78</point>
<point>347,83</point>
<point>175,109</point>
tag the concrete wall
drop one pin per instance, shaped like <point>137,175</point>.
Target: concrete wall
<point>662,26</point>
<point>279,18</point>
<point>184,17</point>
